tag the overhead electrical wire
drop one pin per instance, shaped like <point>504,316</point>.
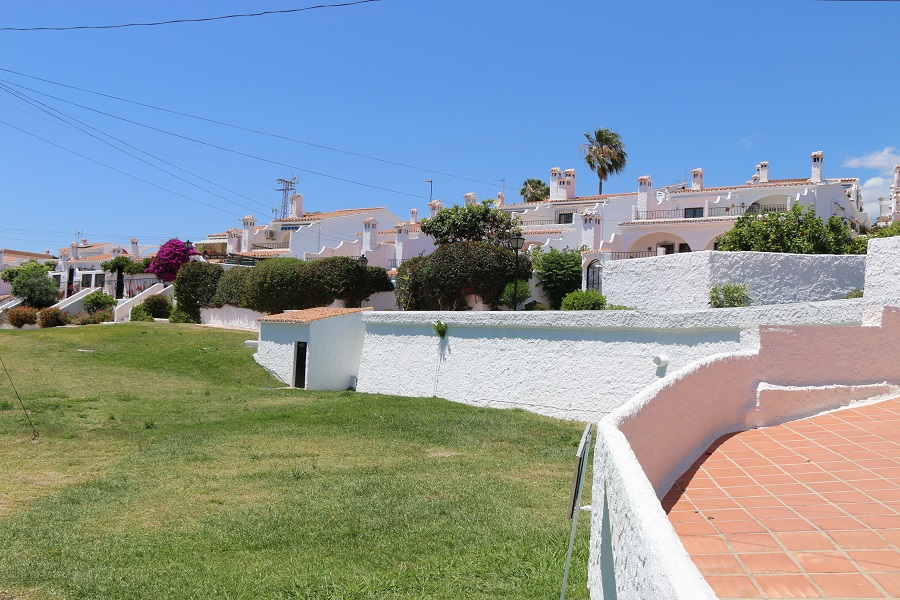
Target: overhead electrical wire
<point>199,20</point>
<point>256,131</point>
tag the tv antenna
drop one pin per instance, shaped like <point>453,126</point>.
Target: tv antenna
<point>286,189</point>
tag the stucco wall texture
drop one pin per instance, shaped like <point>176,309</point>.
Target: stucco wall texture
<point>683,281</point>
<point>883,267</point>
<point>569,365</point>
<point>647,443</point>
<point>231,317</point>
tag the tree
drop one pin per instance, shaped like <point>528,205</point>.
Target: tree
<point>604,154</point>
<point>30,282</point>
<point>347,281</point>
<point>797,231</point>
<point>534,190</point>
<point>558,273</point>
<point>472,223</point>
<point>169,259</point>
<point>280,284</point>
<point>118,265</point>
<point>195,286</point>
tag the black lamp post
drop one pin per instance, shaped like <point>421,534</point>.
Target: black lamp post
<point>362,262</point>
<point>516,242</point>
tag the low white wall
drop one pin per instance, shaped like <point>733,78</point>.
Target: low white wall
<point>571,365</point>
<point>883,267</point>
<point>647,443</point>
<point>231,317</point>
<point>75,303</point>
<point>683,281</point>
<point>122,313</point>
<point>275,349</point>
<point>381,301</point>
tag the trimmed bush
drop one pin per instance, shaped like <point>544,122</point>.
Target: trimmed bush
<point>139,313</point>
<point>179,316</point>
<point>344,279</point>
<point>22,315</point>
<point>514,295</point>
<point>195,286</point>
<point>101,316</point>
<point>280,284</point>
<point>97,301</point>
<point>231,288</point>
<point>157,306</point>
<point>584,300</point>
<point>729,295</point>
<point>53,317</point>
<point>535,305</point>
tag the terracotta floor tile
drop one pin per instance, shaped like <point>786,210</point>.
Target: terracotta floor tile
<point>797,500</point>
<point>846,585</point>
<point>715,503</point>
<point>703,528</point>
<point>717,564</point>
<point>891,535</point>
<point>733,514</point>
<point>889,581</point>
<point>869,508</point>
<point>824,562</point>
<point>760,501</point>
<point>858,540</point>
<point>876,560</point>
<point>805,540</point>
<point>748,526</point>
<point>778,525</point>
<point>704,544</point>
<point>762,470</point>
<point>884,495</point>
<point>835,523</point>
<point>825,487</point>
<point>787,586</point>
<point>772,512</point>
<point>747,491</point>
<point>770,562</point>
<point>881,521</point>
<point>731,482</point>
<point>733,586</point>
<point>753,542</point>
<point>845,497</point>
<point>820,510</point>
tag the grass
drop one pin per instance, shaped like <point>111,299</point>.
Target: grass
<point>166,469</point>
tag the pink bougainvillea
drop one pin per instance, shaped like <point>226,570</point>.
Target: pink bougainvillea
<point>169,259</point>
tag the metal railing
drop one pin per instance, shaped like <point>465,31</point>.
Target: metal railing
<point>133,286</point>
<point>713,211</point>
<point>539,222</point>
<point>270,245</point>
<point>624,255</point>
<point>677,213</point>
<point>393,263</point>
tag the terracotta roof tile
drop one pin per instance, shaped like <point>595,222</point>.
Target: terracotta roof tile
<point>310,314</point>
<point>312,217</point>
<point>96,258</point>
<point>545,231</point>
<point>265,253</point>
<point>23,254</point>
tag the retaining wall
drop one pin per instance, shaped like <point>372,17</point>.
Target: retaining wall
<point>231,317</point>
<point>883,267</point>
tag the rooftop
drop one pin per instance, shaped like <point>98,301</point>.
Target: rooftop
<point>310,314</point>
<point>807,509</point>
<point>312,217</point>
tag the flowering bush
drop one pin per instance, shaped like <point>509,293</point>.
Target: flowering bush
<point>22,315</point>
<point>53,317</point>
<point>169,259</point>
<point>97,301</point>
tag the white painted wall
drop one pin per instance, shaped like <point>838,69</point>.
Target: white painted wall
<point>571,365</point>
<point>75,303</point>
<point>647,443</point>
<point>275,350</point>
<point>122,312</point>
<point>883,267</point>
<point>683,281</point>
<point>231,317</point>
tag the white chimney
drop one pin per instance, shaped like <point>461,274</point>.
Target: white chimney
<point>414,216</point>
<point>116,251</point>
<point>296,206</point>
<point>755,179</point>
<point>370,235</point>
<point>249,222</point>
<point>895,191</point>
<point>697,179</point>
<point>644,185</point>
<point>764,171</point>
<point>562,184</point>
<point>135,250</point>
<point>816,166</point>
<point>470,198</point>
<point>435,206</point>
<point>399,241</point>
<point>589,229</point>
<point>501,199</point>
<point>74,251</point>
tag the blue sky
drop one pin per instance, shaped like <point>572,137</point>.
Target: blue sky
<point>468,92</point>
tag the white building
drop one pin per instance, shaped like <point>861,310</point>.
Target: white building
<point>79,266</point>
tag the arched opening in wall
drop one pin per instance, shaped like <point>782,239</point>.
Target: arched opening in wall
<point>769,204</point>
<point>650,244</point>
<point>595,276</point>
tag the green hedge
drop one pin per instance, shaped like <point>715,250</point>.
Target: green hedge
<point>232,288</point>
<point>280,284</point>
<point>584,300</point>
<point>195,285</point>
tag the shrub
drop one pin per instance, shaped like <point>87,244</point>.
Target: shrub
<point>170,258</point>
<point>344,280</point>
<point>53,317</point>
<point>22,315</point>
<point>729,295</point>
<point>30,282</point>
<point>513,295</point>
<point>179,316</point>
<point>584,300</point>
<point>280,284</point>
<point>139,313</point>
<point>853,294</point>
<point>97,301</point>
<point>157,306</point>
<point>535,305</point>
<point>231,288</point>
<point>195,286</point>
<point>797,231</point>
<point>85,318</point>
<point>558,273</point>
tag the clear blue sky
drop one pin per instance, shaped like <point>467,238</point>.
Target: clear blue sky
<point>472,88</point>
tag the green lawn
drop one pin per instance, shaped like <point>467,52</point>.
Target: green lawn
<point>165,468</point>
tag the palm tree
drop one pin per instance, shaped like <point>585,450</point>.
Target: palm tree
<point>604,154</point>
<point>534,190</point>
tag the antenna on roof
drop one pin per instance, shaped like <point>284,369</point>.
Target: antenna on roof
<point>286,189</point>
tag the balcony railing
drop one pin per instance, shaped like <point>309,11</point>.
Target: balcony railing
<point>539,222</point>
<point>624,255</point>
<point>712,211</point>
<point>270,245</point>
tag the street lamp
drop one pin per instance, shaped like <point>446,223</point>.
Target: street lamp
<point>516,242</point>
<point>362,262</point>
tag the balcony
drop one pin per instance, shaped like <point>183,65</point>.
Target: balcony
<point>712,211</point>
<point>625,255</point>
<point>270,245</point>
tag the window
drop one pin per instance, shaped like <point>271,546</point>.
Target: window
<point>670,248</point>
<point>563,218</point>
<point>86,280</point>
<point>684,248</point>
<point>693,213</point>
<point>99,279</point>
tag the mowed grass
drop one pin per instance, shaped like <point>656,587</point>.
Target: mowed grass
<point>165,468</point>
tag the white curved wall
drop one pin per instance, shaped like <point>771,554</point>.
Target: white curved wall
<point>231,317</point>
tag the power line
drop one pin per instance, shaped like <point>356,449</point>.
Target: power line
<point>250,130</point>
<point>200,20</point>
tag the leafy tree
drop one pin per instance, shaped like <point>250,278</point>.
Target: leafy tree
<point>136,267</point>
<point>195,286</point>
<point>443,279</point>
<point>10,273</point>
<point>345,280</point>
<point>472,223</point>
<point>797,231</point>
<point>604,154</point>
<point>97,301</point>
<point>534,190</point>
<point>169,259</point>
<point>280,284</point>
<point>558,273</point>
<point>118,265</point>
<point>30,282</point>
<point>515,293</point>
<point>232,288</point>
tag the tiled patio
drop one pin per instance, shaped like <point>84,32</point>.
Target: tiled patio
<point>808,509</point>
